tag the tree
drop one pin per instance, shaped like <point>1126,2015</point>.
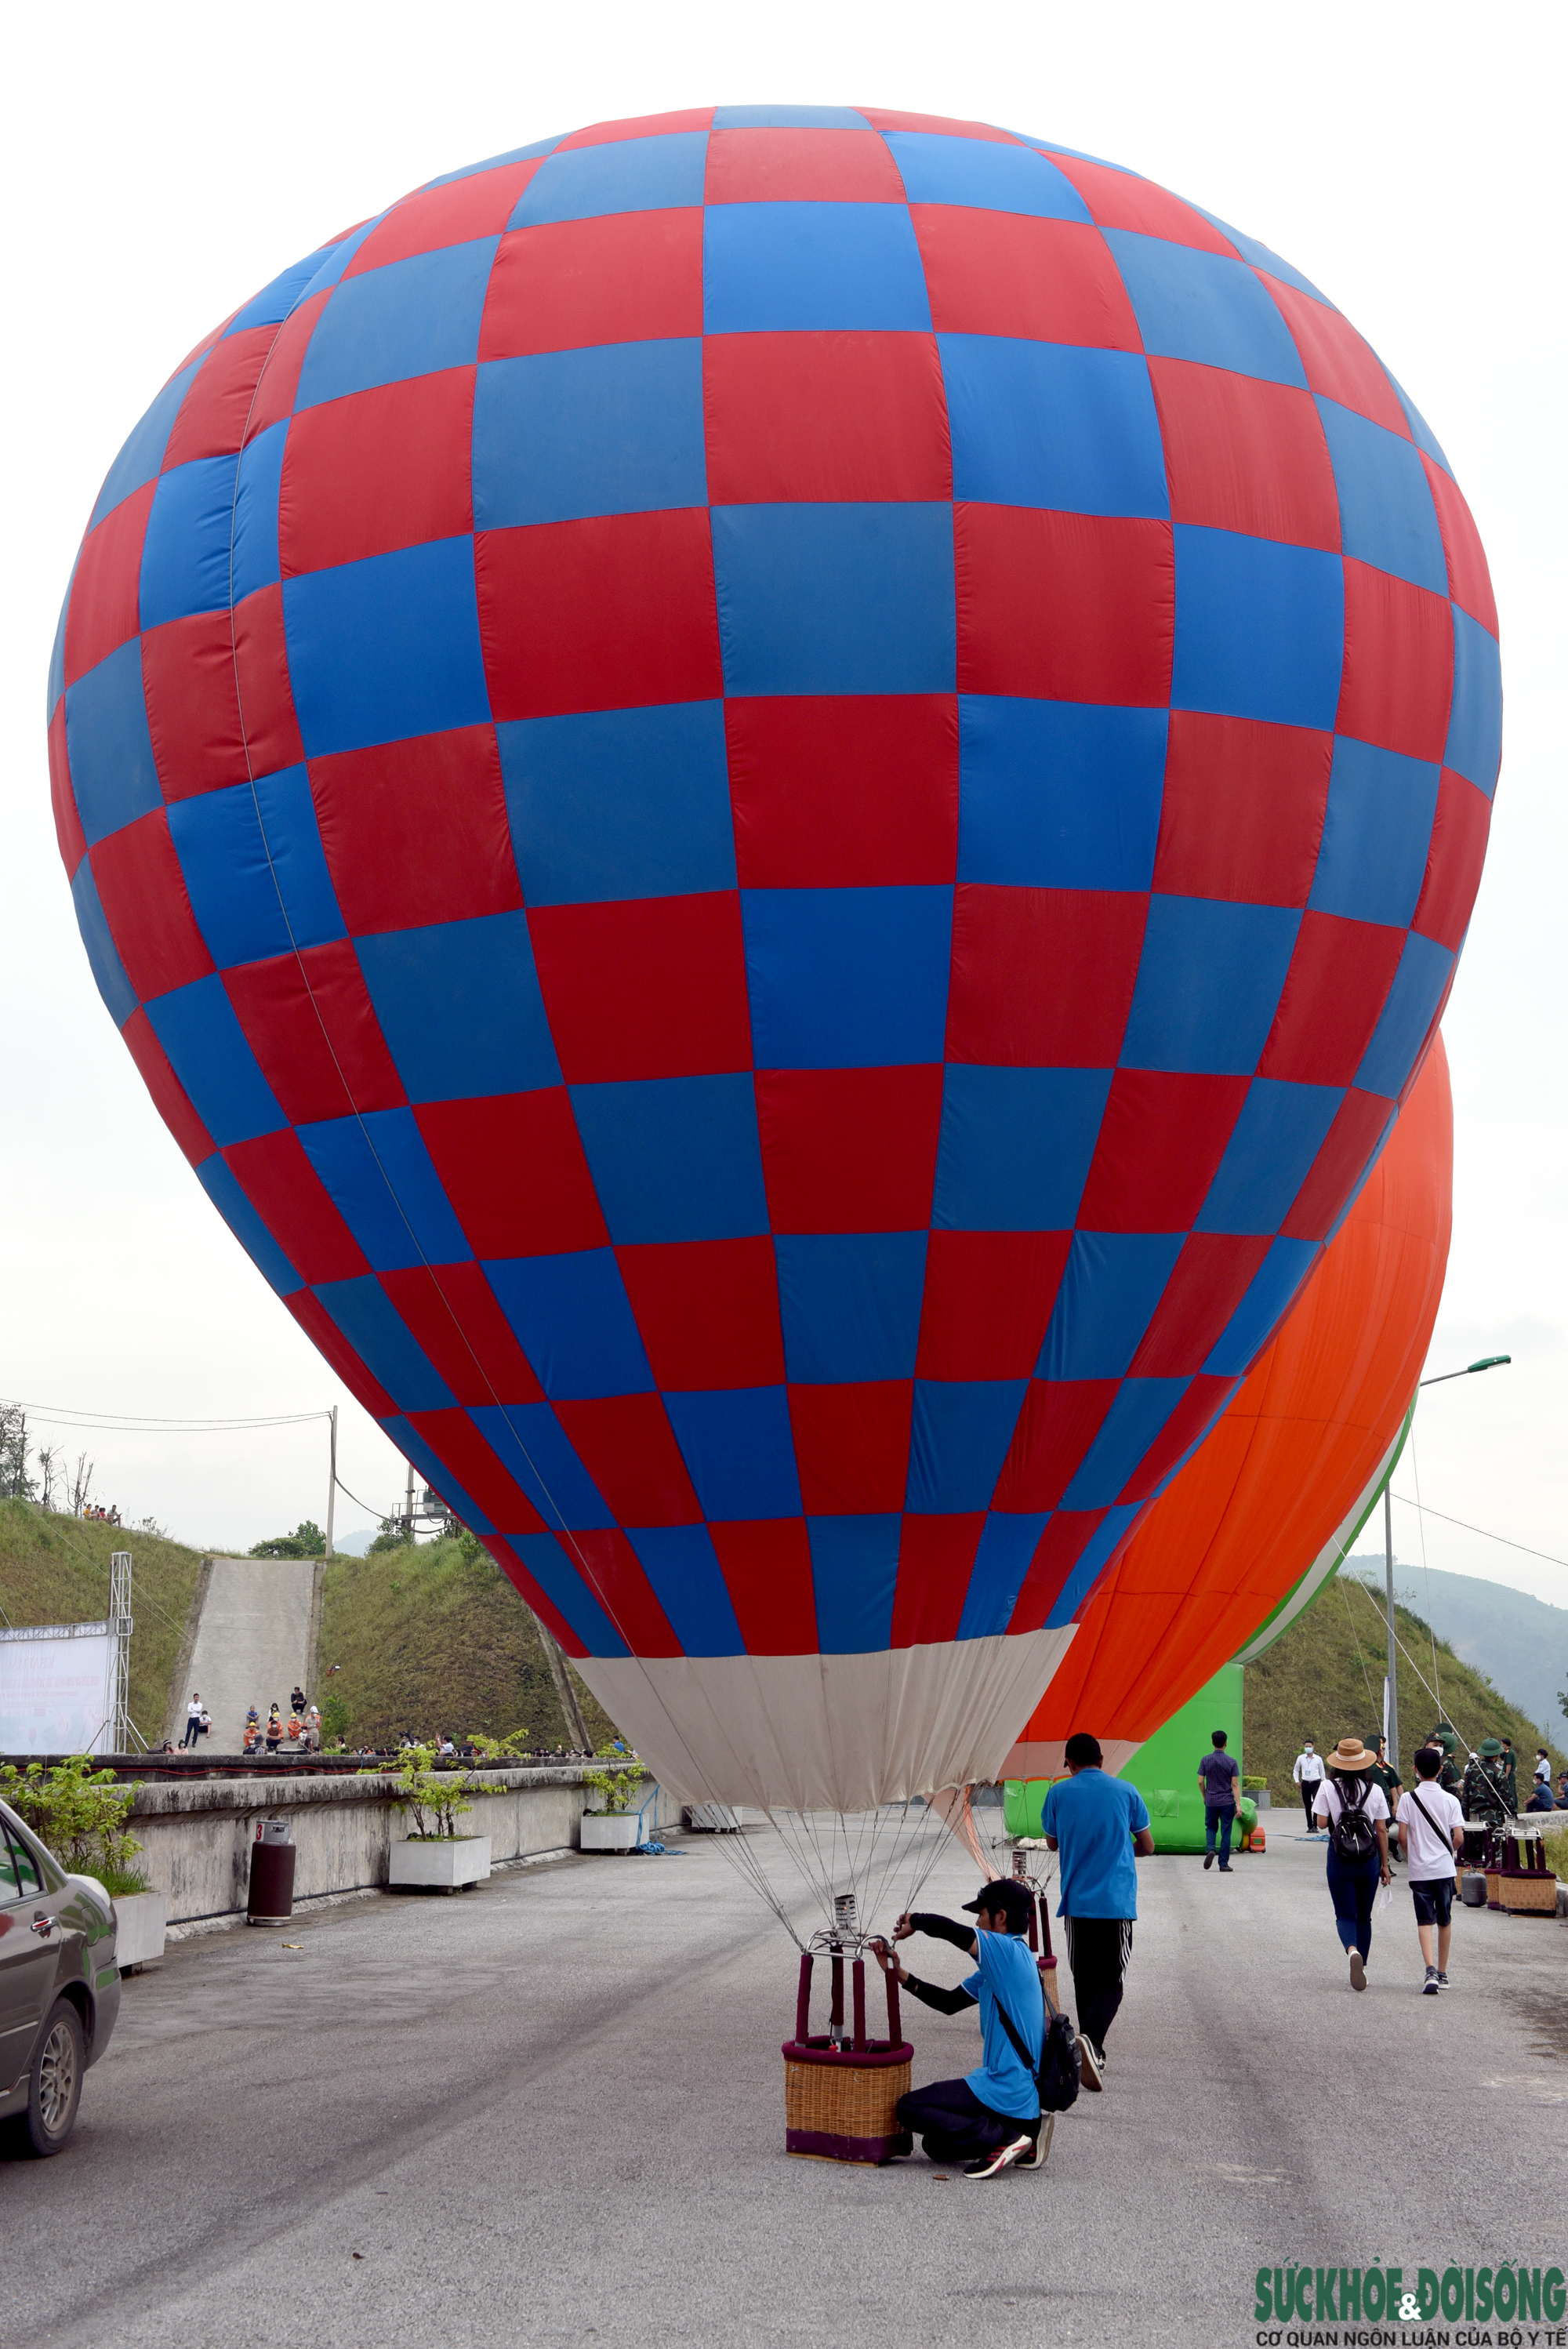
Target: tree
<point>15,1485</point>
<point>396,1533</point>
<point>307,1540</point>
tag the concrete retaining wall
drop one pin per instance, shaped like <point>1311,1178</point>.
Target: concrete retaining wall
<point>196,1836</point>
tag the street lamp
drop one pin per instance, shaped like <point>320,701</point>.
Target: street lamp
<point>1488,1362</point>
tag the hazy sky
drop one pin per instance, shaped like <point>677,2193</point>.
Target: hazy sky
<point>163,163</point>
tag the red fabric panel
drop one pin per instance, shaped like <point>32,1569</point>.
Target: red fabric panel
<point>378,469</point>
<point>628,1447</point>
<point>632,277</point>
<point>1337,362</point>
<point>1246,456</point>
<point>610,1566</point>
<point>1161,1139</point>
<point>142,890</point>
<point>480,205</point>
<point>613,614</point>
<point>215,410</point>
<point>707,1311</point>
<point>649,987</point>
<point>193,705</point>
<point>72,839</point>
<point>1212,1276</point>
<point>637,125</point>
<point>851,1446</point>
<point>1453,861</point>
<point>296,1207</point>
<point>1057,1553</point>
<point>767,1563</point>
<point>1349,1142</point>
<point>849,1150</point>
<point>514,1168</point>
<point>309,1020</point>
<point>1242,814</point>
<point>104,611</point>
<point>1469,580</point>
<point>1332,998</point>
<point>453,1314</point>
<point>988,1298</point>
<point>330,1343</point>
<point>783,165</point>
<point>416,831</point>
<point>833,417</point>
<point>1070,607</point>
<point>266,697</point>
<point>844,792</point>
<point>1047,280</point>
<point>1121,200</point>
<point>935,1558</point>
<point>1042,978</point>
<point>279,377</point>
<point>543,1606</point>
<point>1060,1421</point>
<point>1201,1403</point>
<point>459,1447</point>
<point>170,1098</point>
<point>1398,664</point>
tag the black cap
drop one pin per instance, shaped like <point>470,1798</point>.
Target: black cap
<point>1004,1895</point>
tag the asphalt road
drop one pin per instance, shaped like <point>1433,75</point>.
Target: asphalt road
<point>549,2111</point>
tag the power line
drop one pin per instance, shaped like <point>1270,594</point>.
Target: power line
<point>1485,1534</point>
<point>51,1414</point>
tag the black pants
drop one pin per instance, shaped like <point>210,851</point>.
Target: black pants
<point>1098,1950</point>
<point>1309,1787</point>
<point>192,1732</point>
<point>955,2125</point>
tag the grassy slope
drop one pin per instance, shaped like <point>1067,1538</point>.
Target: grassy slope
<point>429,1640</point>
<point>55,1569</point>
<point>1310,1683</point>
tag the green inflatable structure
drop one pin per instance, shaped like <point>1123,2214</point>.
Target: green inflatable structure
<point>1164,1769</point>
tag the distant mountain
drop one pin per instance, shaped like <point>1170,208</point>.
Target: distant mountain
<point>357,1544</point>
<point>1519,1642</point>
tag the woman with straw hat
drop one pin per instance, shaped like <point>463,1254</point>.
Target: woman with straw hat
<point>1355,1810</point>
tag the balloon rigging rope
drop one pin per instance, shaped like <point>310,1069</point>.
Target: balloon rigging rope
<point>1426,1683</point>
<point>1426,1577</point>
<point>1360,1659</point>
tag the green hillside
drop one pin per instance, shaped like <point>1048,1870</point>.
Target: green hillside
<point>55,1569</point>
<point>1324,1678</point>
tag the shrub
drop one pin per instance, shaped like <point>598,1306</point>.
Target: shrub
<point>81,1813</point>
<point>617,1784</point>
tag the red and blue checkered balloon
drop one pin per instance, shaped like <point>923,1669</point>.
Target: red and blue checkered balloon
<point>779,798</point>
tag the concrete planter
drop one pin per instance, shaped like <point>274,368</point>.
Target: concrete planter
<point>444,1862</point>
<point>720,1818</point>
<point>609,1830</point>
<point>141,1919</point>
<point>1262,1798</point>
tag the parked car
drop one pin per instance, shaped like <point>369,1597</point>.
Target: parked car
<point>59,1987</point>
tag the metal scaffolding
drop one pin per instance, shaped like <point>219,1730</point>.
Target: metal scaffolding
<point>122,1729</point>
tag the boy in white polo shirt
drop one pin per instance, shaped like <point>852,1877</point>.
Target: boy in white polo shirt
<point>1431,1831</point>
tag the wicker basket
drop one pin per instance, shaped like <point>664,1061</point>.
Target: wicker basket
<point>841,2108</point>
<point>1533,1894</point>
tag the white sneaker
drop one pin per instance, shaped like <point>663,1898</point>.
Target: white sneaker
<point>1091,2062</point>
<point>1357,1970</point>
<point>1037,2160</point>
<point>1006,2156</point>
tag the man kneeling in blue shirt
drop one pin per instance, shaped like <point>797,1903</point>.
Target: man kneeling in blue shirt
<point>991,2119</point>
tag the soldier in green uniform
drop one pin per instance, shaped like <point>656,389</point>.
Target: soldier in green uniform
<point>1485,1788</point>
<point>1383,1774</point>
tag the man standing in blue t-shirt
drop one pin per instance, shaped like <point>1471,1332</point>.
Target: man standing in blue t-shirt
<point>991,2119</point>
<point>1101,1827</point>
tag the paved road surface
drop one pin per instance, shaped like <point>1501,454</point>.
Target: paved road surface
<point>550,2112</point>
<point>252,1642</point>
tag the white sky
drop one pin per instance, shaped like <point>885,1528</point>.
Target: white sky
<point>163,163</point>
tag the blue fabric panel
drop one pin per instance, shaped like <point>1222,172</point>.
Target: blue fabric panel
<point>208,1052</point>
<point>1208,983</point>
<point>1372,858</point>
<point>386,647</point>
<point>958,1440</point>
<point>113,773</point>
<point>142,454</point>
<point>1112,1283</point>
<point>120,996</point>
<point>1203,306</point>
<point>1425,438</point>
<point>247,1226</point>
<point>1475,723</point>
<point>1361,1180</point>
<point>854,1570</point>
<point>299,866</point>
<point>409,318</point>
<point>494,162</point>
<point>1260,628</point>
<point>1385,511</point>
<point>688,1583</point>
<point>57,654</point>
<point>1045,424</point>
<point>1007,1543</point>
<point>573,1319</point>
<point>851,1304</point>
<point>614,430</point>
<point>414,1448</point>
<point>271,305</point>
<point>548,1563</point>
<point>1136,1417</point>
<point>531,1445</point>
<point>460,1006</point>
<point>1058,794</point>
<point>623,175</point>
<point>835,598</point>
<point>379,1336</point>
<point>1015,1146</point>
<point>1273,1143</point>
<point>218,840</point>
<point>674,1158</point>
<point>1413,999</point>
<point>789,118</point>
<point>1262,258</point>
<point>185,554</point>
<point>255,557</point>
<point>847,978</point>
<point>982,174</point>
<point>620,803</point>
<point>739,1451</point>
<point>810,267</point>
<point>336,259</point>
<point>379,1175</point>
<point>1097,1553</point>
<point>1250,1326</point>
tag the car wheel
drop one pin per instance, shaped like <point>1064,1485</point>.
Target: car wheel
<point>54,2086</point>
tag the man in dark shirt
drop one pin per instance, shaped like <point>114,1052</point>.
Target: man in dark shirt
<point>1221,1780</point>
<point>1382,1773</point>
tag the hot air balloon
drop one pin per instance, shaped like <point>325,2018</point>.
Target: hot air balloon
<point>779,798</point>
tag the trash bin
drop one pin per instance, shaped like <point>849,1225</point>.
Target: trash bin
<point>270,1900</point>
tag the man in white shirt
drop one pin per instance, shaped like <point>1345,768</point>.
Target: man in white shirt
<point>192,1720</point>
<point>1309,1776</point>
<point>1431,1826</point>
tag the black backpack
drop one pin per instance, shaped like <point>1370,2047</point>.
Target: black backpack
<point>1056,2081</point>
<point>1352,1834</point>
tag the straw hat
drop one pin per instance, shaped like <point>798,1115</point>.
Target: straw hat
<point>1350,1755</point>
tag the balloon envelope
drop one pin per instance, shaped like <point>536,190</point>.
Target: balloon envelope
<point>778,800</point>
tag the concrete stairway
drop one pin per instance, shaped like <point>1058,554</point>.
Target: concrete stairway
<point>255,1637</point>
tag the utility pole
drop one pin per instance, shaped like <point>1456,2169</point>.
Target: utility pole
<point>1393,1730</point>
<point>331,1480</point>
<point>408,1503</point>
